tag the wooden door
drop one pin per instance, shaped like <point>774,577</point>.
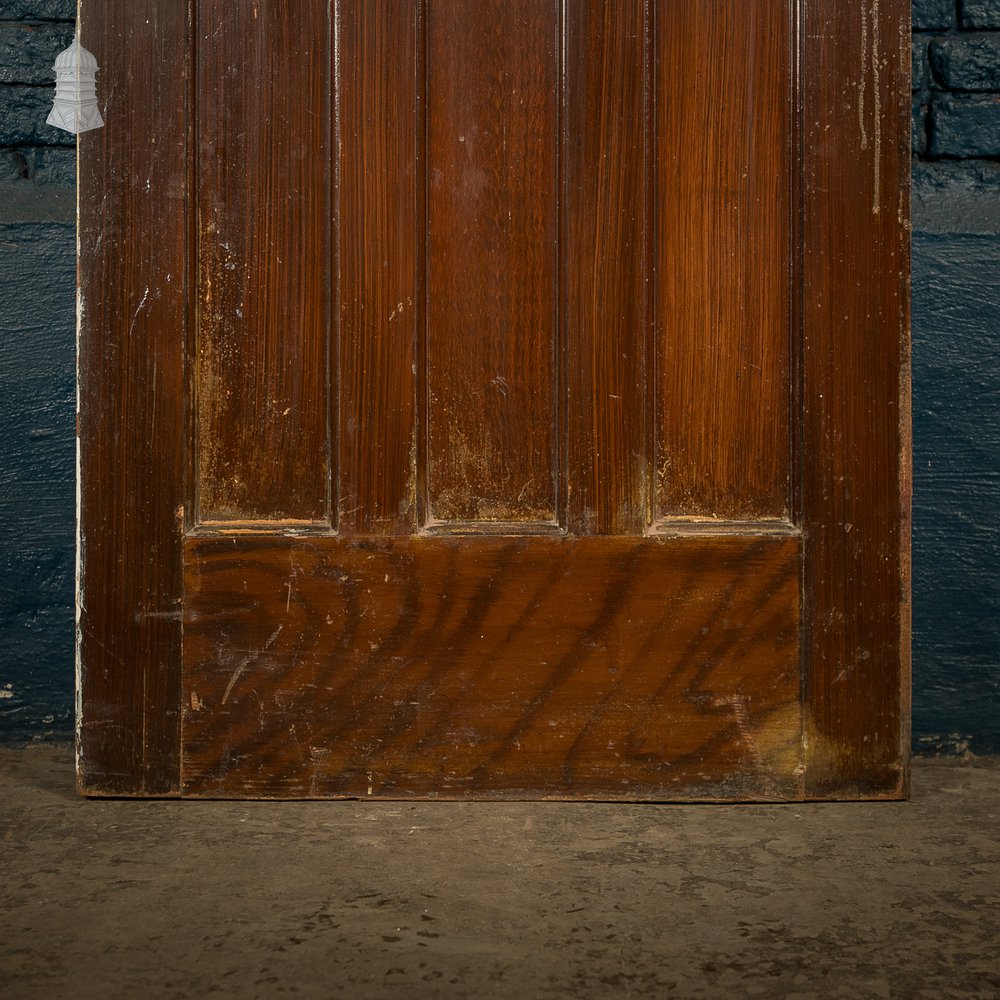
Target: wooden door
<point>495,398</point>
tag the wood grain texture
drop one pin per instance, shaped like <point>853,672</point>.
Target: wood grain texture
<point>607,264</point>
<point>723,246</point>
<point>264,260</point>
<point>492,344</point>
<point>492,667</point>
<point>378,209</point>
<point>509,206</point>
<point>856,438</point>
<point>132,307</point>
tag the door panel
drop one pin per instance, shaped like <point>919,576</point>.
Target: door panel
<point>493,337</point>
<point>552,667</point>
<point>723,300</point>
<point>608,266</point>
<point>263,196</point>
<point>378,291</point>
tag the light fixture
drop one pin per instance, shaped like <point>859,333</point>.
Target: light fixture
<point>75,106</point>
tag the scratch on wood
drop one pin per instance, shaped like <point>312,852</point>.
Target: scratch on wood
<point>245,662</point>
<point>870,56</point>
<point>138,309</point>
<point>877,96</point>
<point>863,81</point>
<point>176,615</point>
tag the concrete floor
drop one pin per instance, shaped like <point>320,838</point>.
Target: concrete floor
<point>352,899</point>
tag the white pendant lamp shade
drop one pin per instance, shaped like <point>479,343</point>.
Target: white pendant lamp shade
<point>75,106</point>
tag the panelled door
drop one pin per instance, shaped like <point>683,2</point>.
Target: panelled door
<point>495,398</point>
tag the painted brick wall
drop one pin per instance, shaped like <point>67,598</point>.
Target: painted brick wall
<point>956,324</point>
<point>37,363</point>
<point>956,374</point>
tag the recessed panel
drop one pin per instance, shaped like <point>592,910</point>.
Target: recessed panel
<point>264,220</point>
<point>631,668</point>
<point>723,179</point>
<point>492,233</point>
<point>380,77</point>
<point>607,264</point>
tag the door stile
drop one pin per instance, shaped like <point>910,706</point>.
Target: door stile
<point>796,445</point>
<point>132,315</point>
<point>856,436</point>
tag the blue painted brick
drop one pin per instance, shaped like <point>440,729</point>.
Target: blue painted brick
<point>54,166</point>
<point>14,166</point>
<point>37,404</point>
<point>23,110</point>
<point>956,491</point>
<point>918,134</point>
<point>965,125</point>
<point>38,10</point>
<point>967,62</point>
<point>980,14</point>
<point>918,63</point>
<point>933,15</point>
<point>27,51</point>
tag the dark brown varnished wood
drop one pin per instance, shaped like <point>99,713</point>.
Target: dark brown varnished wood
<point>492,667</point>
<point>132,311</point>
<point>492,343</point>
<point>723,250</point>
<point>607,264</point>
<point>380,291</point>
<point>630,569</point>
<point>855,417</point>
<point>264,212</point>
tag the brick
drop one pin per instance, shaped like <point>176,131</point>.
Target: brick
<point>14,167</point>
<point>965,125</point>
<point>55,166</point>
<point>967,62</point>
<point>933,15</point>
<point>918,133</point>
<point>38,10</point>
<point>918,63</point>
<point>27,51</point>
<point>23,111</point>
<point>980,14</point>
<point>40,166</point>
<point>957,196</point>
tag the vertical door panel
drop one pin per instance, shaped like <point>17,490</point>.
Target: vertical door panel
<point>264,221</point>
<point>607,264</point>
<point>723,183</point>
<point>380,71</point>
<point>491,336</point>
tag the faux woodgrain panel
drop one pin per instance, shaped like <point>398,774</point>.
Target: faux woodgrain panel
<point>492,153</point>
<point>264,221</point>
<point>607,264</point>
<point>132,314</point>
<point>380,80</point>
<point>856,405</point>
<point>492,667</point>
<point>723,180</point>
